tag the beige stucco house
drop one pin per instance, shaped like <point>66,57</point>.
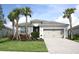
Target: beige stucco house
<point>47,29</point>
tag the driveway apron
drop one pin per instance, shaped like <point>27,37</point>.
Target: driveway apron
<point>61,46</point>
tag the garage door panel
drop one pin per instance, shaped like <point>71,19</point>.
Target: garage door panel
<point>53,33</point>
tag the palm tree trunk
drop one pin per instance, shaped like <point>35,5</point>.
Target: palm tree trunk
<point>71,33</point>
<point>26,28</point>
<point>13,30</point>
<point>17,29</point>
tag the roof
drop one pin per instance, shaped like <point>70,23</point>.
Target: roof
<point>44,23</point>
<point>75,27</point>
<point>7,26</point>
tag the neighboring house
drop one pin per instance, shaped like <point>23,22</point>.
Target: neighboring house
<point>47,29</point>
<point>75,30</point>
<point>5,31</point>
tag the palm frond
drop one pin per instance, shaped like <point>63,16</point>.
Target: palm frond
<point>67,13</point>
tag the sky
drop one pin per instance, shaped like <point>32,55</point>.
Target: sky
<point>50,12</point>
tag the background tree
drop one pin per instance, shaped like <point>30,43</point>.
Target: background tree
<point>1,27</point>
<point>67,13</point>
<point>26,12</point>
<point>1,17</point>
<point>1,13</point>
<point>1,24</point>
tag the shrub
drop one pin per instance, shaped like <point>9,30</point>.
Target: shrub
<point>76,37</point>
<point>23,37</point>
<point>35,35</point>
<point>11,37</point>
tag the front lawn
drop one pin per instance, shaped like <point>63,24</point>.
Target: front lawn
<point>28,46</point>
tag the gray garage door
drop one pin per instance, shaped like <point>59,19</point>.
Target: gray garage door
<point>53,33</point>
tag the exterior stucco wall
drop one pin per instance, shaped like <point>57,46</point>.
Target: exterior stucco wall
<point>22,30</point>
<point>41,32</point>
<point>65,32</point>
<point>30,30</point>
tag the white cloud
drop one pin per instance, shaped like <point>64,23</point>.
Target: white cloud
<point>75,20</point>
<point>77,11</point>
<point>23,19</point>
<point>77,7</point>
<point>62,20</point>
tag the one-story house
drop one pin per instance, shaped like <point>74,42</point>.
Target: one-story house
<point>5,31</point>
<point>75,30</point>
<point>47,29</point>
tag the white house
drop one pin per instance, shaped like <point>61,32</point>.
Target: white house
<point>5,31</point>
<point>75,30</point>
<point>47,29</point>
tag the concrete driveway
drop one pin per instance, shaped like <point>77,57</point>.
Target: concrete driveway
<point>61,46</point>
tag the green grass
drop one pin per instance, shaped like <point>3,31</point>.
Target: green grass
<point>28,46</point>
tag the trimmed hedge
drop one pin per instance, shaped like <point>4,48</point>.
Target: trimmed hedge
<point>35,35</point>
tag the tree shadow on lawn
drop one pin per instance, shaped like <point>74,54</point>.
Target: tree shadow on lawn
<point>2,40</point>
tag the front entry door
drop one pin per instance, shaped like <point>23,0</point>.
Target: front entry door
<point>35,28</point>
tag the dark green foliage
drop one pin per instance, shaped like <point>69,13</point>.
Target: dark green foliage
<point>35,35</point>
<point>68,12</point>
<point>26,11</point>
<point>76,37</point>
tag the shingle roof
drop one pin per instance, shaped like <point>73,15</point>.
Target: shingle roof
<point>75,27</point>
<point>44,23</point>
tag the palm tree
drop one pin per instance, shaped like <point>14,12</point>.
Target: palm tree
<point>26,12</point>
<point>17,13</point>
<point>67,14</point>
<point>11,16</point>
